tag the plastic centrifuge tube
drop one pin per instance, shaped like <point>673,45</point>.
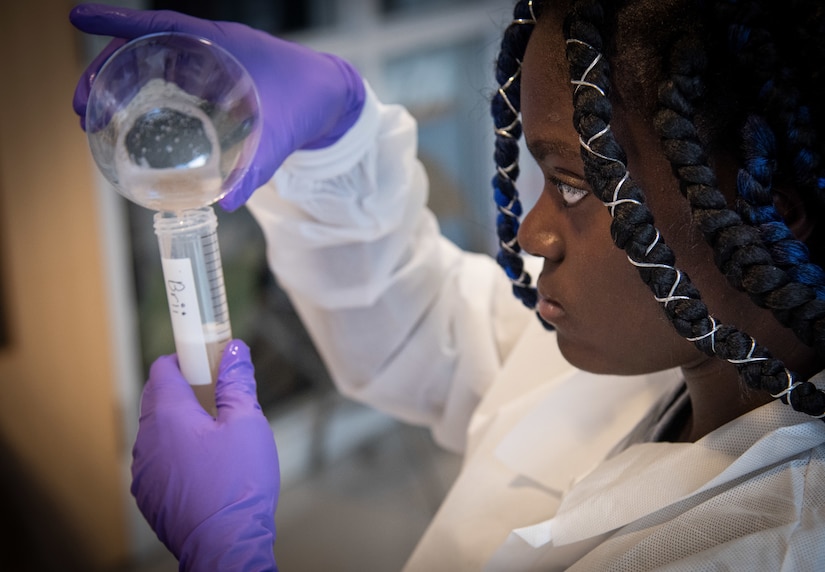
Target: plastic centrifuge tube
<point>173,121</point>
<point>193,277</point>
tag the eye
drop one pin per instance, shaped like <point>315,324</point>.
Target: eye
<point>570,195</point>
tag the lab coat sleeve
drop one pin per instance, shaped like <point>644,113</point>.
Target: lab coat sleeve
<point>404,319</point>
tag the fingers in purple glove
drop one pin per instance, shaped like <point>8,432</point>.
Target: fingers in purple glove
<point>235,391</point>
<point>168,391</point>
<point>84,85</point>
<point>105,20</point>
<point>207,487</point>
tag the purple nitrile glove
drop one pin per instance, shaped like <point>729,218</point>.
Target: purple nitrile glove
<point>208,486</point>
<point>309,99</point>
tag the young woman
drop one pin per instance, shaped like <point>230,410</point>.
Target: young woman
<point>671,419</point>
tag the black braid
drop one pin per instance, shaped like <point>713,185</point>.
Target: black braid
<point>505,108</point>
<point>738,247</point>
<point>632,227</point>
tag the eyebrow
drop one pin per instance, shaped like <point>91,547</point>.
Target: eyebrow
<point>540,149</point>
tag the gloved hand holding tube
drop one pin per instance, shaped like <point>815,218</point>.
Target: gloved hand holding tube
<point>208,486</point>
<point>308,99</point>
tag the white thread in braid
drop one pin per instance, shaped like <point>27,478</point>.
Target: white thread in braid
<point>522,280</point>
<point>505,131</point>
<point>670,296</point>
<point>508,210</point>
<point>579,83</point>
<point>711,334</point>
<point>748,358</point>
<point>582,82</point>
<point>597,135</point>
<point>614,204</point>
<point>509,246</point>
<point>502,91</point>
<point>617,201</point>
<point>532,19</point>
<point>586,145</point>
<point>654,242</point>
<point>792,384</point>
<point>505,172</point>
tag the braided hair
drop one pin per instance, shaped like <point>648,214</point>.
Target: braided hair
<point>757,93</point>
<point>505,107</point>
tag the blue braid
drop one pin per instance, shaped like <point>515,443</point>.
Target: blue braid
<point>505,109</point>
<point>757,207</point>
<point>739,248</point>
<point>801,141</point>
<point>756,51</point>
<point>779,114</point>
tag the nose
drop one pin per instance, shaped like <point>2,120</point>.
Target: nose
<point>538,234</point>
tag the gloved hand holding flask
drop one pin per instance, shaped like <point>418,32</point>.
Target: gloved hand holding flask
<point>208,486</point>
<point>308,99</point>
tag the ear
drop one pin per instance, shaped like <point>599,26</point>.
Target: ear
<point>794,211</point>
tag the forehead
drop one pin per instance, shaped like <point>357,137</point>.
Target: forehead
<point>546,91</point>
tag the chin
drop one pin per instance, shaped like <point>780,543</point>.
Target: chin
<point>592,360</point>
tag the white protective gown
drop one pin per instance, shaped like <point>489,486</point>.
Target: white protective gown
<point>555,474</point>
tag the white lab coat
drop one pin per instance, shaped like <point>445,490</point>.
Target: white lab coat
<point>414,326</point>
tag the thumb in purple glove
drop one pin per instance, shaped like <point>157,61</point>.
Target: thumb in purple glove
<point>308,99</point>
<point>208,486</point>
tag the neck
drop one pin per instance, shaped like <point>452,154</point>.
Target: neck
<point>717,396</point>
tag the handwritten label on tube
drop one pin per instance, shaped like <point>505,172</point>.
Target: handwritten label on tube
<point>186,320</point>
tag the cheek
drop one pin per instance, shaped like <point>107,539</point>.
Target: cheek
<point>630,304</point>
<point>635,338</point>
<point>625,330</point>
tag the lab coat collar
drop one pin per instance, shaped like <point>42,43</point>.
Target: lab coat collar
<point>558,440</point>
<point>599,502</point>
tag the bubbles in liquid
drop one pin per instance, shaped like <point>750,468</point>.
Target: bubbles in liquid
<point>167,155</point>
<point>165,138</point>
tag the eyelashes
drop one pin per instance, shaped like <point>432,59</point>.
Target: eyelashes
<point>570,195</point>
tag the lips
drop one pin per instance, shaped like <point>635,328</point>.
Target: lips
<point>548,308</point>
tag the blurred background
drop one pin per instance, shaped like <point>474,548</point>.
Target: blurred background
<point>83,311</point>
